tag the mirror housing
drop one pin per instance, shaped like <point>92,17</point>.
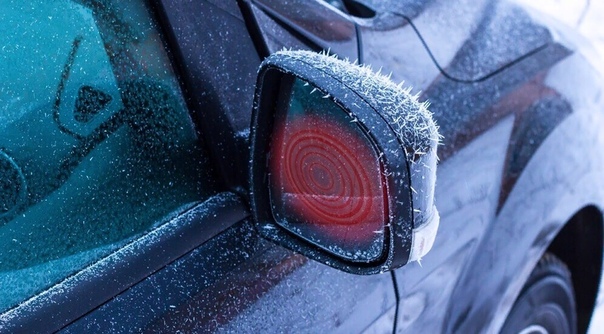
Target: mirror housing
<point>343,164</point>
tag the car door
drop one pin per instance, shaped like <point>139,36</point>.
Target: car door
<point>121,210</point>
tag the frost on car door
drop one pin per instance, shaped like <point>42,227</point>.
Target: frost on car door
<point>236,281</point>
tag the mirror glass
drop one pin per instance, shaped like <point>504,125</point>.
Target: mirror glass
<point>326,176</point>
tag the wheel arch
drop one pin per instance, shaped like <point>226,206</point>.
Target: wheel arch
<point>579,244</point>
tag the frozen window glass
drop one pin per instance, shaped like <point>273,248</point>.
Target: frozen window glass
<point>96,144</point>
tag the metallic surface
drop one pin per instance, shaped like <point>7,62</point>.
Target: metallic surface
<point>522,155</point>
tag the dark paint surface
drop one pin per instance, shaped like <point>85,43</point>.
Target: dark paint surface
<point>311,22</point>
<point>521,155</point>
<point>502,190</point>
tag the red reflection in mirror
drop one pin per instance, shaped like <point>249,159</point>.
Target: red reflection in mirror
<point>326,174</point>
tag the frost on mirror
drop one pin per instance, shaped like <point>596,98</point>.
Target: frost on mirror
<point>96,145</point>
<point>327,184</point>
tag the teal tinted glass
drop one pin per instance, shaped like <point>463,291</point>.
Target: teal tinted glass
<point>96,144</point>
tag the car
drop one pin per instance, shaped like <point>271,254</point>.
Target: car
<point>145,154</point>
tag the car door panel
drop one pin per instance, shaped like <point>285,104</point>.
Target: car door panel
<point>239,283</point>
<point>77,295</point>
<point>178,282</point>
<point>268,287</point>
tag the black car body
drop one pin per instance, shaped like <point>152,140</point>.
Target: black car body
<point>132,221</point>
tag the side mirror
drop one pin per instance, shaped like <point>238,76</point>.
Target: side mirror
<point>343,164</point>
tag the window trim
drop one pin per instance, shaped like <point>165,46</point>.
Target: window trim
<point>76,296</point>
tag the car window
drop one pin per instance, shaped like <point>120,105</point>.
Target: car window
<point>96,144</point>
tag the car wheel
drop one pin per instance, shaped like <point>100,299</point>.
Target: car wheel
<point>546,303</point>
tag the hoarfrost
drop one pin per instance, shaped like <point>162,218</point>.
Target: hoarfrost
<point>414,126</point>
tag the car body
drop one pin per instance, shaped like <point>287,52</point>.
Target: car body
<point>130,128</point>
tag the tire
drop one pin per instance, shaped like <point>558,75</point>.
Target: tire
<point>546,303</point>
